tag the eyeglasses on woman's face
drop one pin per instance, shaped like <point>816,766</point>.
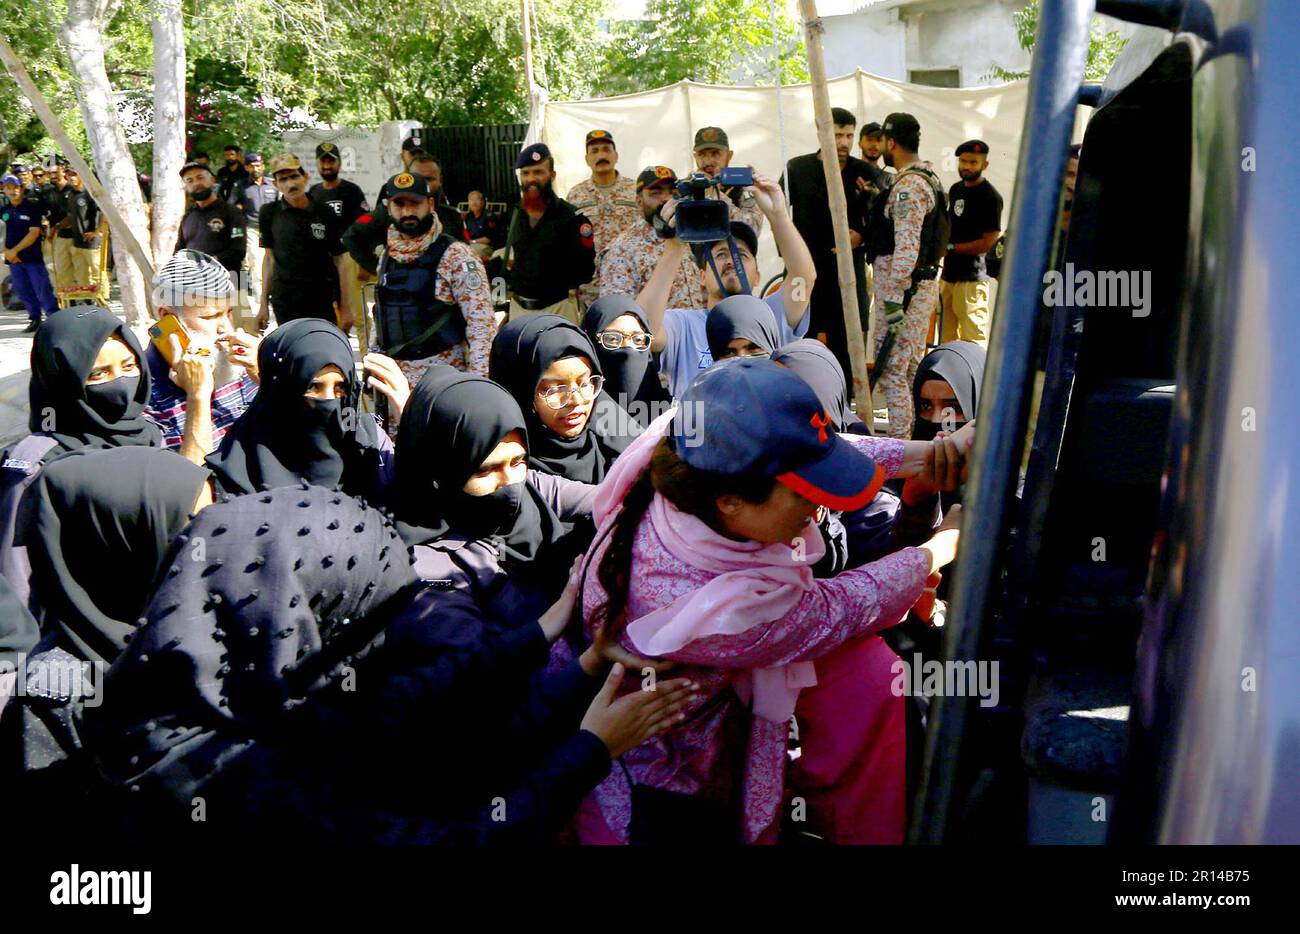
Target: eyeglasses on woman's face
<point>557,397</point>
<point>616,340</point>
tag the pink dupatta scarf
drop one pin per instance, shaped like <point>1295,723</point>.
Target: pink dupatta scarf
<point>753,583</point>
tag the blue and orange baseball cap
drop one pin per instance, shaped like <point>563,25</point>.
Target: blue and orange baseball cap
<point>755,416</point>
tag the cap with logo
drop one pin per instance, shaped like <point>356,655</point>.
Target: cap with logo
<point>977,146</point>
<point>711,137</point>
<point>11,180</point>
<point>600,136</point>
<point>871,129</point>
<point>654,176</point>
<point>284,162</point>
<point>252,157</point>
<point>327,151</point>
<point>18,167</point>
<point>413,142</point>
<point>190,166</point>
<point>535,154</point>
<point>757,417</point>
<point>406,184</point>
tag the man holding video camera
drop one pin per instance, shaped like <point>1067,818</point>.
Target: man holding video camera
<point>727,267</point>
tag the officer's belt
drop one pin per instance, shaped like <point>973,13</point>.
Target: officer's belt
<point>536,304</point>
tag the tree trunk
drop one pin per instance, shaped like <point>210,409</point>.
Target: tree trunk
<point>168,126</point>
<point>813,30</point>
<point>82,34</point>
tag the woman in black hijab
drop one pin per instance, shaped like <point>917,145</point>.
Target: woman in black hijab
<point>463,495</point>
<point>946,389</point>
<point>88,390</point>
<point>306,422</point>
<point>812,362</point>
<point>302,681</point>
<point>554,374</point>
<point>617,327</point>
<point>96,527</point>
<point>743,326</point>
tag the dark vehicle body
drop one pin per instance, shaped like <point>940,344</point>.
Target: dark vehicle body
<point>1138,580</point>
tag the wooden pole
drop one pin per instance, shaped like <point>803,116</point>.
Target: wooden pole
<point>813,29</point>
<point>55,128</point>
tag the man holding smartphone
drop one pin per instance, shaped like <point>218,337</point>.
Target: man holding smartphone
<point>205,371</point>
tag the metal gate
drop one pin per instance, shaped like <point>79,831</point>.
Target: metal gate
<point>478,158</point>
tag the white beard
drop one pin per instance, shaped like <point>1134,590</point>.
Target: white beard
<point>224,371</point>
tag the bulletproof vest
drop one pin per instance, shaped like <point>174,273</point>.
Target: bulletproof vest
<point>934,230</point>
<point>410,322</point>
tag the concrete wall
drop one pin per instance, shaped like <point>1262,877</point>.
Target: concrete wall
<point>969,35</point>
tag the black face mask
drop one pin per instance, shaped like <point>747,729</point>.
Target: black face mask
<point>202,194</point>
<point>478,517</point>
<point>416,226</point>
<point>326,415</point>
<point>110,400</point>
<point>926,430</point>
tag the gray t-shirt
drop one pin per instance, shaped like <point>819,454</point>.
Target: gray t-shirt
<point>687,350</point>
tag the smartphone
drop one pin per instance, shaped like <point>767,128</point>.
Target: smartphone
<point>162,330</point>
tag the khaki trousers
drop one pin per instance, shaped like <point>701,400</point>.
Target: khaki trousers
<point>967,315</point>
<point>568,309</point>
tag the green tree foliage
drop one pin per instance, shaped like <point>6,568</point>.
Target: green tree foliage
<point>1104,45</point>
<point>720,42</point>
<point>260,67</point>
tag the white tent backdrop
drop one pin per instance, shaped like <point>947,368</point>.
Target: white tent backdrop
<point>658,127</point>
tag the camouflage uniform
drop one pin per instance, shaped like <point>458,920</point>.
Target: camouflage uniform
<point>462,281</point>
<point>629,262</point>
<point>612,210</point>
<point>910,199</point>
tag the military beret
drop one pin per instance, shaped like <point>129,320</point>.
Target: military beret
<point>533,155</point>
<point>977,146</point>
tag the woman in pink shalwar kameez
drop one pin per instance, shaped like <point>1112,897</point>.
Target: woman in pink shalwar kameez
<point>732,598</point>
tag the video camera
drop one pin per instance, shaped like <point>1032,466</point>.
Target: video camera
<point>701,219</point>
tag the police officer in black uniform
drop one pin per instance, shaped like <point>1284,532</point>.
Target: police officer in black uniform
<point>550,249</point>
<point>211,226</point>
<point>343,198</point>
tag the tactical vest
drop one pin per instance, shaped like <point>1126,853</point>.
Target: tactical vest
<point>410,322</point>
<point>934,230</point>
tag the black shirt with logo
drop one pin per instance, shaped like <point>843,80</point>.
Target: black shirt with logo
<point>304,242</point>
<point>83,218</point>
<point>217,230</point>
<point>347,202</point>
<point>974,211</point>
